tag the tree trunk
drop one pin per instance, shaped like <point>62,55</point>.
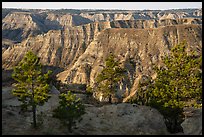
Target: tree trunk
<point>70,126</point>
<point>34,116</point>
<point>109,99</point>
<point>33,107</point>
<point>174,125</point>
<point>34,112</point>
<point>111,87</point>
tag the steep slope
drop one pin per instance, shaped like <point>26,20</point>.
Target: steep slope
<point>6,43</point>
<point>62,48</point>
<point>20,25</point>
<point>136,49</point>
<point>67,20</point>
<point>134,15</point>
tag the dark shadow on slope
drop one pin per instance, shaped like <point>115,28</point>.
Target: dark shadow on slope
<point>79,20</point>
<point>7,79</point>
<point>15,35</point>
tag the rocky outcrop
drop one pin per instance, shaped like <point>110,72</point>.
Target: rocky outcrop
<point>56,48</point>
<point>121,119</point>
<point>117,119</point>
<point>197,12</point>
<point>71,42</point>
<point>192,125</point>
<point>136,49</point>
<point>18,24</point>
<point>79,44</point>
<point>146,15</point>
<point>65,20</point>
<point>6,43</point>
<point>62,48</point>
<point>114,119</point>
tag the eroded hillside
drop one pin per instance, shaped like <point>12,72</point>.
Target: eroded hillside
<point>136,49</point>
<point>80,42</point>
<point>18,24</point>
<point>62,48</point>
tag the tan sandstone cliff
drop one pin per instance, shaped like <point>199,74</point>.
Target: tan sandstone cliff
<point>79,43</point>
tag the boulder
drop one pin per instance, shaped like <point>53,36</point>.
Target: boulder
<point>8,99</point>
<point>50,105</point>
<point>121,119</point>
<point>192,124</point>
<point>54,90</point>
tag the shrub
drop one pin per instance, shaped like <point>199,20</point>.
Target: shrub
<point>69,110</point>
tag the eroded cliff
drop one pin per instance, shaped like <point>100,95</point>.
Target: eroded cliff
<point>79,43</point>
<point>18,24</point>
<point>63,47</point>
<point>136,49</point>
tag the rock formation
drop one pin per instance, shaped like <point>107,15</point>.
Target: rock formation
<point>121,119</point>
<point>79,42</point>
<point>63,47</point>
<point>18,24</point>
<point>192,125</point>
<point>75,44</point>
<point>115,119</point>
<point>136,49</point>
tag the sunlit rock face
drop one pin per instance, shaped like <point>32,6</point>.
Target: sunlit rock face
<point>121,119</point>
<point>136,49</point>
<point>63,47</point>
<point>79,43</point>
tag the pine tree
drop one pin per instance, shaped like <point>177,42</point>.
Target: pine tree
<point>141,96</point>
<point>108,79</point>
<point>178,85</point>
<point>31,87</point>
<point>69,110</point>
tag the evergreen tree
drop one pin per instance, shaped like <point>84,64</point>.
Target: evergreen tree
<point>108,79</point>
<point>178,85</point>
<point>69,110</point>
<point>142,97</point>
<point>31,87</point>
